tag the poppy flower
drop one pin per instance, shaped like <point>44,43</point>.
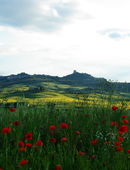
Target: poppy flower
<point>119,148</point>
<point>77,132</point>
<point>16,123</point>
<point>23,162</point>
<point>22,149</point>
<point>64,139</point>
<point>52,127</point>
<point>64,126</point>
<point>52,133</point>
<point>29,145</point>
<point>128,150</point>
<point>39,143</point>
<point>114,107</point>
<point>21,143</point>
<point>120,138</point>
<point>1,169</point>
<point>92,156</point>
<point>117,143</point>
<point>114,124</point>
<point>123,129</point>
<point>125,121</point>
<point>12,109</point>
<point>53,140</point>
<point>81,153</point>
<point>94,141</point>
<point>28,136</point>
<point>107,142</point>
<point>58,167</point>
<point>123,116</point>
<point>6,130</point>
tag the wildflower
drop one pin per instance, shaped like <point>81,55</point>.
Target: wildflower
<point>92,156</point>
<point>21,143</point>
<point>119,148</point>
<point>28,136</point>
<point>114,124</point>
<point>6,130</point>
<point>125,121</point>
<point>1,169</point>
<point>117,143</point>
<point>77,132</point>
<point>53,140</point>
<point>128,150</point>
<point>94,141</point>
<point>123,129</point>
<point>52,133</point>
<point>22,149</point>
<point>64,139</point>
<point>52,127</point>
<point>16,123</point>
<point>120,138</point>
<point>81,153</point>
<point>23,162</point>
<point>114,107</point>
<point>58,167</point>
<point>39,143</point>
<point>64,126</point>
<point>107,142</point>
<point>12,109</point>
<point>123,116</point>
<point>29,145</point>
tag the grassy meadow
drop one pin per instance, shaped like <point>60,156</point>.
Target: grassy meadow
<point>78,135</point>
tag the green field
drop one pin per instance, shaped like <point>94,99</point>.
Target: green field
<point>87,136</point>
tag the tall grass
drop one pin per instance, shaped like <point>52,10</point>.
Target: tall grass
<point>90,137</point>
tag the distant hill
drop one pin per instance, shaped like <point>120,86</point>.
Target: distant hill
<point>33,85</point>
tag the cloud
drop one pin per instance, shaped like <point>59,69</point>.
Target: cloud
<point>115,33</point>
<point>45,15</point>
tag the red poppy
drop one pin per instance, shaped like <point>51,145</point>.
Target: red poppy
<point>119,148</point>
<point>114,124</point>
<point>39,143</point>
<point>53,140</point>
<point>125,121</point>
<point>107,142</point>
<point>64,126</point>
<point>92,156</point>
<point>81,153</point>
<point>58,167</point>
<point>23,162</point>
<point>114,107</point>
<point>6,130</point>
<point>29,145</point>
<point>16,123</point>
<point>52,133</point>
<point>123,129</point>
<point>123,116</point>
<point>128,150</point>
<point>28,136</point>
<point>94,141</point>
<point>21,143</point>
<point>64,139</point>
<point>117,143</point>
<point>52,127</point>
<point>120,138</point>
<point>12,109</point>
<point>1,169</point>
<point>22,149</point>
<point>77,132</point>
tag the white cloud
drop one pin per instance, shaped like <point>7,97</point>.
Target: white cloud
<point>94,40</point>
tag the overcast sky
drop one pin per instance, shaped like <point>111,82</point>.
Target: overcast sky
<point>56,37</point>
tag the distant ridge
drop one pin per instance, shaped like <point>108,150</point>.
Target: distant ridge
<point>86,82</point>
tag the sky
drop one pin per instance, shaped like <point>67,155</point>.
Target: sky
<point>55,37</point>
